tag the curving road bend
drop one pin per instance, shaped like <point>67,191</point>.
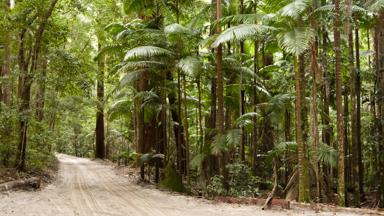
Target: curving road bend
<point>85,187</point>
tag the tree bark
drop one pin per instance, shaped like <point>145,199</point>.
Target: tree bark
<point>358,115</point>
<point>339,105</point>
<point>28,73</point>
<point>380,103</point>
<point>304,195</point>
<point>100,133</point>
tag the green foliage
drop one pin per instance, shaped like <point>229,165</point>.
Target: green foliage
<point>242,32</point>
<point>241,182</point>
<point>226,141</point>
<point>172,180</point>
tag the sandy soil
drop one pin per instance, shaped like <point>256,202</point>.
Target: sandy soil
<point>85,187</point>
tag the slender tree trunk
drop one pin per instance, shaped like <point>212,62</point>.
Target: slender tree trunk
<point>304,195</point>
<point>353,101</point>
<point>380,102</point>
<point>100,133</point>
<point>4,67</point>
<point>186,116</point>
<point>40,96</point>
<point>25,90</point>
<point>358,116</point>
<point>314,121</point>
<point>242,95</point>
<point>254,100</point>
<point>339,105</point>
<point>220,91</point>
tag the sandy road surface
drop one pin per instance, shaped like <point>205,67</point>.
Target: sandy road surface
<point>86,187</point>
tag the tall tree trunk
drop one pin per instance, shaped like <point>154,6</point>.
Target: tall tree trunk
<point>380,102</point>
<point>339,105</point>
<point>314,121</point>
<point>25,91</point>
<point>4,66</point>
<point>254,100</point>
<point>304,195</point>
<point>40,96</point>
<point>186,116</point>
<point>358,115</point>
<point>100,133</point>
<point>242,95</point>
<point>220,90</point>
<point>353,101</point>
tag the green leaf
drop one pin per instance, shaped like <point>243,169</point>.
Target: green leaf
<point>190,65</point>
<point>327,154</point>
<point>376,6</point>
<point>241,32</point>
<point>146,52</point>
<point>176,28</point>
<point>297,40</point>
<point>295,8</point>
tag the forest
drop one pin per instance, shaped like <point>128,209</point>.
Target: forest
<point>213,98</point>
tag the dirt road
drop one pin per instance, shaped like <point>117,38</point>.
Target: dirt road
<point>86,187</point>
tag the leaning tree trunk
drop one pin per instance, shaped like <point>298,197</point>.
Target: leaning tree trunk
<point>339,105</point>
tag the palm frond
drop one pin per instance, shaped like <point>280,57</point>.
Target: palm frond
<point>176,28</point>
<point>241,32</point>
<point>190,65</point>
<point>297,40</point>
<point>146,52</point>
<point>130,77</point>
<point>331,8</point>
<point>110,49</point>
<point>295,8</point>
<point>135,65</point>
<point>376,6</point>
<point>114,28</point>
<point>246,119</point>
<point>327,154</point>
<point>120,107</point>
<point>134,5</point>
